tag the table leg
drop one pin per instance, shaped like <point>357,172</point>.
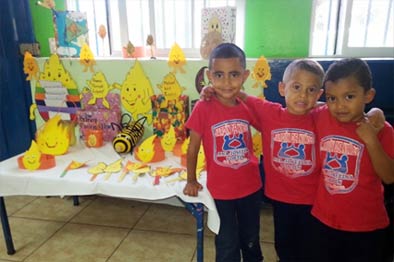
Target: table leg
<point>6,228</point>
<point>76,200</point>
<point>197,210</point>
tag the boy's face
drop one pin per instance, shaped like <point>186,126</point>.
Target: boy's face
<point>227,77</point>
<point>301,92</point>
<point>346,99</point>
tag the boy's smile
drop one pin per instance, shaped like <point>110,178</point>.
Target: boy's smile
<point>227,77</point>
<point>346,99</point>
<point>301,92</point>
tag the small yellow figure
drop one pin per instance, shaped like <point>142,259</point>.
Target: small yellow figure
<point>257,145</point>
<point>168,140</point>
<point>149,150</point>
<point>261,72</point>
<point>31,158</point>
<point>164,172</point>
<point>30,66</point>
<point>177,59</point>
<point>86,58</point>
<point>53,138</point>
<point>171,90</point>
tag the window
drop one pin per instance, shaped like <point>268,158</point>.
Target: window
<point>352,28</point>
<point>169,21</point>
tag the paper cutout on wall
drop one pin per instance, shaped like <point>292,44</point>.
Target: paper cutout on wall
<point>136,91</point>
<point>261,72</point>
<point>217,26</point>
<point>30,66</point>
<point>56,92</point>
<point>212,38</point>
<point>177,59</point>
<point>53,138</point>
<point>86,58</point>
<point>71,32</point>
<point>99,88</point>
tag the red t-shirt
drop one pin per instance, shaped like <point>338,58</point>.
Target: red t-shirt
<point>232,168</point>
<point>350,194</point>
<point>289,149</point>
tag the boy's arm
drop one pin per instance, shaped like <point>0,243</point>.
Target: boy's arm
<point>381,161</point>
<point>192,186</point>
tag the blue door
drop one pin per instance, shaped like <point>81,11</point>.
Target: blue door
<point>16,130</point>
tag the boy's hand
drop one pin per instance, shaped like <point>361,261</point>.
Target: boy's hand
<point>367,132</point>
<point>192,188</point>
<point>206,93</point>
<point>376,118</point>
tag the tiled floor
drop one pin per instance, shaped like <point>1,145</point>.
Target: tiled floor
<point>109,229</point>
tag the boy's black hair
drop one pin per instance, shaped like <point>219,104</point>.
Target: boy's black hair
<point>350,67</point>
<point>308,65</point>
<point>228,50</point>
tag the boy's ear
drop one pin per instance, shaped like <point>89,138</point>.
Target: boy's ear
<point>370,95</point>
<point>281,88</point>
<point>246,74</point>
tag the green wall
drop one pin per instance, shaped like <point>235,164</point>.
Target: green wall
<point>277,28</point>
<point>273,28</point>
<point>43,23</point>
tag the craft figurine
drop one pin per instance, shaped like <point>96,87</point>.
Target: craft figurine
<point>163,172</point>
<point>257,145</point>
<point>86,58</point>
<point>130,134</point>
<point>168,140</point>
<point>177,59</point>
<point>261,72</point>
<point>149,150</point>
<point>150,42</point>
<point>101,167</point>
<point>53,137</point>
<point>114,167</point>
<point>33,159</point>
<point>128,50</point>
<point>136,168</point>
<point>30,66</point>
<point>171,90</point>
<point>135,92</point>
<point>96,170</point>
<point>73,165</point>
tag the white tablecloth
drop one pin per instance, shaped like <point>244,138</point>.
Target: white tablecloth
<point>16,181</point>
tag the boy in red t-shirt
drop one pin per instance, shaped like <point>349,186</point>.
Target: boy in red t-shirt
<point>233,179</point>
<point>355,160</point>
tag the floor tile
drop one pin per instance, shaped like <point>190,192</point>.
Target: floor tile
<point>155,246</point>
<point>15,203</point>
<point>52,208</point>
<point>109,211</point>
<point>80,243</point>
<point>266,225</point>
<point>269,252</point>
<point>164,218</point>
<point>28,235</point>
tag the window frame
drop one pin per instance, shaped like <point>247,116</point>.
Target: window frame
<point>341,47</point>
